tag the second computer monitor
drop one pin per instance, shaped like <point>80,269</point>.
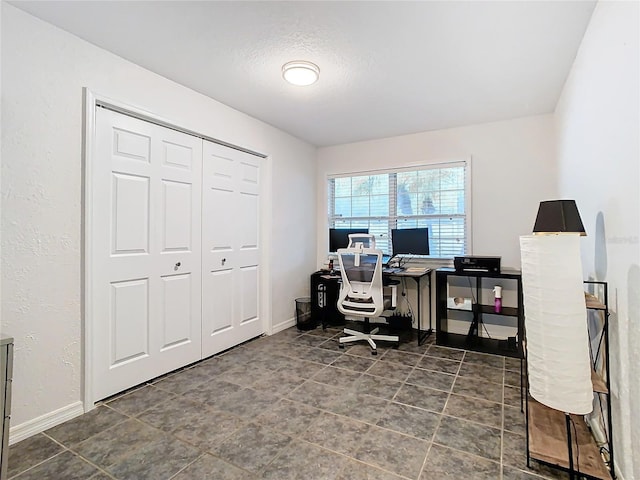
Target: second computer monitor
<point>410,241</point>
<point>339,237</point>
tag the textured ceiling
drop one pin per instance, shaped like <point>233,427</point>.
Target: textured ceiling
<point>387,68</point>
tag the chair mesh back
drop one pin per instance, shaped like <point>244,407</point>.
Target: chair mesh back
<point>361,291</point>
<point>362,273</point>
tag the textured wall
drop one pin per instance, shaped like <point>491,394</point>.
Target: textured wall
<point>599,166</point>
<point>43,72</point>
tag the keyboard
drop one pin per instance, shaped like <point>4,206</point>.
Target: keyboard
<point>390,270</point>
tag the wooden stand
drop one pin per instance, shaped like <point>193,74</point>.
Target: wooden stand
<point>548,441</point>
<point>549,437</point>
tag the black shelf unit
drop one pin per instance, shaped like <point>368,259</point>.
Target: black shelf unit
<point>602,386</point>
<point>546,434</point>
<point>472,340</point>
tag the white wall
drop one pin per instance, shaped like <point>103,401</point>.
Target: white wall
<point>43,73</point>
<point>598,156</point>
<point>0,175</point>
<point>513,168</point>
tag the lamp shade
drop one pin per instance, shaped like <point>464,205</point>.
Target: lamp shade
<point>558,216</point>
<point>558,360</point>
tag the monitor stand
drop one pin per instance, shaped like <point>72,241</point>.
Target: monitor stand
<point>391,260</point>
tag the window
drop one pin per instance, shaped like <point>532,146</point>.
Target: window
<point>436,197</point>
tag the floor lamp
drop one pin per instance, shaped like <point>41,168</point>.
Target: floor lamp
<point>559,367</point>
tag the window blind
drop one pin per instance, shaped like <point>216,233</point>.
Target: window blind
<point>434,196</point>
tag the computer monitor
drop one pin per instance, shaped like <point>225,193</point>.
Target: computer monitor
<point>410,241</point>
<point>339,237</point>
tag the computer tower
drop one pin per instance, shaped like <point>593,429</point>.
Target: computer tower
<point>324,299</point>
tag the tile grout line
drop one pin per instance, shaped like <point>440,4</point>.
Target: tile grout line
<point>202,455</point>
<point>502,429</point>
<point>375,425</point>
<point>403,383</point>
<point>357,420</point>
<point>444,407</point>
<point>74,452</point>
<point>265,349</point>
<point>323,409</point>
<point>65,449</point>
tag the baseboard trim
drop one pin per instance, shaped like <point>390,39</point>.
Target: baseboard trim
<point>44,422</point>
<point>283,325</point>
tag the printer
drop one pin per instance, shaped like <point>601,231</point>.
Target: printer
<point>472,263</point>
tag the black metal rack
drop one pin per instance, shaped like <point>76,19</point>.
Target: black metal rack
<point>549,431</point>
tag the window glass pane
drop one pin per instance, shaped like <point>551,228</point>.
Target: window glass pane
<point>409,180</point>
<point>405,202</point>
<point>452,178</point>
<point>450,201</point>
<point>429,180</point>
<point>359,224</point>
<point>343,207</point>
<point>379,184</point>
<point>360,206</point>
<point>360,185</point>
<point>407,223</point>
<point>379,205</point>
<point>425,202</point>
<point>380,228</point>
<point>343,187</point>
<point>449,236</point>
<point>414,204</point>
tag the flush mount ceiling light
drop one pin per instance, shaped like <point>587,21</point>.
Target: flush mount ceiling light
<point>300,73</point>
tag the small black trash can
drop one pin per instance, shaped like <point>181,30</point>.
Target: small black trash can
<point>303,314</point>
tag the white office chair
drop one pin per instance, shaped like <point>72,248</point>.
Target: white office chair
<point>361,240</point>
<point>361,294</point>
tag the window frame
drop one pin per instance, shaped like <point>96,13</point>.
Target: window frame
<point>393,217</point>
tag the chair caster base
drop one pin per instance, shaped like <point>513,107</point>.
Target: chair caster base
<point>356,336</point>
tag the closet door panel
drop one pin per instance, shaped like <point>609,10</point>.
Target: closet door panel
<point>130,214</point>
<point>129,321</point>
<point>231,253</point>
<point>219,226</point>
<point>177,290</point>
<point>145,251</point>
<point>176,223</point>
<point>218,309</point>
<point>249,305</point>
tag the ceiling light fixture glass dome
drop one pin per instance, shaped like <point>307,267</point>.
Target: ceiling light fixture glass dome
<point>300,73</point>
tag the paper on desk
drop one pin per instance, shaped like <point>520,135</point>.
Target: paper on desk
<point>415,269</point>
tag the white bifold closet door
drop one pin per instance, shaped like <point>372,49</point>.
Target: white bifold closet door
<point>230,248</point>
<point>145,251</point>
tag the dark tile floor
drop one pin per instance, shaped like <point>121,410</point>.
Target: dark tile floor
<point>295,406</point>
